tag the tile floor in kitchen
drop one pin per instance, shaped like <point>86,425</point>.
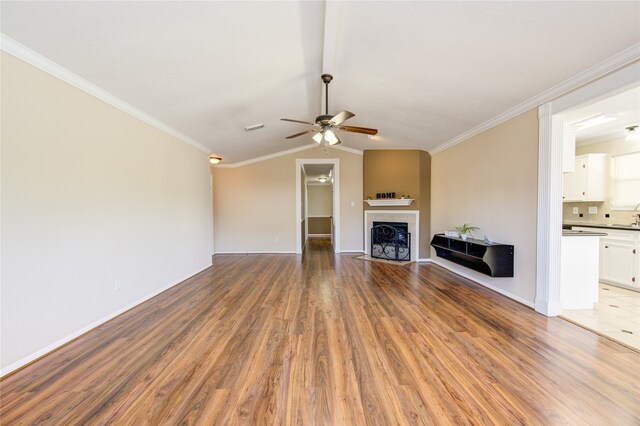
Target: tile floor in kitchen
<point>617,315</point>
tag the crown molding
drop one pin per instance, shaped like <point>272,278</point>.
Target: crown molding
<point>283,153</point>
<point>347,149</point>
<point>266,157</point>
<point>45,64</point>
<point>619,60</point>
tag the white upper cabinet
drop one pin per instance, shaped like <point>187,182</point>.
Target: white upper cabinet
<point>588,181</point>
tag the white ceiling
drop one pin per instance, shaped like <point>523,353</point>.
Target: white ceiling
<point>421,72</point>
<point>626,105</point>
<point>315,171</point>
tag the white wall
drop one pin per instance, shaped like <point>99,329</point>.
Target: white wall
<point>490,181</point>
<point>89,195</point>
<point>254,204</point>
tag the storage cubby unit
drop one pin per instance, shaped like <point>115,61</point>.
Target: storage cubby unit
<point>493,259</point>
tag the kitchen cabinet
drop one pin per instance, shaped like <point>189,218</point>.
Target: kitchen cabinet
<point>579,270</point>
<point>619,257</point>
<point>588,181</point>
<point>618,262</point>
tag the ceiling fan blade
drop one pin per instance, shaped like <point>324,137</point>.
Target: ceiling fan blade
<point>297,121</point>
<point>301,133</point>
<point>364,130</point>
<point>341,117</point>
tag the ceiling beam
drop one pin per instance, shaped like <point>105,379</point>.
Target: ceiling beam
<point>332,20</point>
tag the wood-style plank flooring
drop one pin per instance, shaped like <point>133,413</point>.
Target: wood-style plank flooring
<point>329,340</point>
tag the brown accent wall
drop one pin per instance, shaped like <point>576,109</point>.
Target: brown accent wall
<point>425,204</point>
<point>392,171</point>
<point>319,225</point>
<point>407,173</point>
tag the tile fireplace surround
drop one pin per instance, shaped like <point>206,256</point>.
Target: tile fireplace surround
<point>411,217</point>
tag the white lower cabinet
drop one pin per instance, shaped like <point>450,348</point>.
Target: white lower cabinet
<point>618,262</point>
<point>619,257</point>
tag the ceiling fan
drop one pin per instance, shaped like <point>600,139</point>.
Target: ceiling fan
<point>326,126</point>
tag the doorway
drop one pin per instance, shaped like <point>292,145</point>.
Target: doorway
<point>601,188</point>
<point>550,155</point>
<point>317,201</point>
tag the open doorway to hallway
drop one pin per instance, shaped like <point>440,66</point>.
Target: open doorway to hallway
<point>317,206</point>
<point>318,202</point>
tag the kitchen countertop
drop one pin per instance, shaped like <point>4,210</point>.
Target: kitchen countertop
<point>570,233</point>
<point>603,225</point>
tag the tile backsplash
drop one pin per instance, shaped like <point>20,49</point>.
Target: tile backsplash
<point>618,217</point>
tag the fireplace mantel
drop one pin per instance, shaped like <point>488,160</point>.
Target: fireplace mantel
<point>386,202</point>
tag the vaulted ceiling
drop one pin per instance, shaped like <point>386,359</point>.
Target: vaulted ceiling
<point>421,72</point>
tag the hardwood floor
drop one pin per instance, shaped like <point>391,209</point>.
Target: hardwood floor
<point>326,339</point>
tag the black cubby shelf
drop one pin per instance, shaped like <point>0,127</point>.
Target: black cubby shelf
<point>493,259</point>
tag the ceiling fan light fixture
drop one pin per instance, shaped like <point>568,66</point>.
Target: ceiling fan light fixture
<point>324,124</point>
<point>632,134</point>
<point>214,159</point>
<point>330,137</point>
<point>322,179</point>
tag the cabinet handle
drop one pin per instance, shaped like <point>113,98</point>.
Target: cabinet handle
<point>584,166</point>
<point>606,246</point>
<point>582,192</point>
<point>633,279</point>
<point>634,251</point>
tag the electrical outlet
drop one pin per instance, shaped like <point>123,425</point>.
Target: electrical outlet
<point>116,285</point>
<point>353,204</point>
<point>593,210</point>
<point>277,239</point>
<point>575,210</point>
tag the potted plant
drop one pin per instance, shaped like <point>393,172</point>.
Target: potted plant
<point>465,230</point>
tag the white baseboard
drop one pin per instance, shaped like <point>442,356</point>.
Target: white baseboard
<point>352,251</point>
<point>255,252</point>
<point>424,260</point>
<point>484,283</point>
<point>318,235</point>
<point>55,345</point>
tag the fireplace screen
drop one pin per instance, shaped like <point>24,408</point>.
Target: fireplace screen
<point>391,241</point>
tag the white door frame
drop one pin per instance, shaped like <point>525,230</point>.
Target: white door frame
<point>300,162</point>
<point>549,235</point>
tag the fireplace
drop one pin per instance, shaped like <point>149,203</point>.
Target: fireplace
<point>390,241</point>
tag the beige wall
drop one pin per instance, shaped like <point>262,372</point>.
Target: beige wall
<point>615,146</point>
<point>254,205</point>
<point>490,181</point>
<point>90,195</point>
<point>319,200</point>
